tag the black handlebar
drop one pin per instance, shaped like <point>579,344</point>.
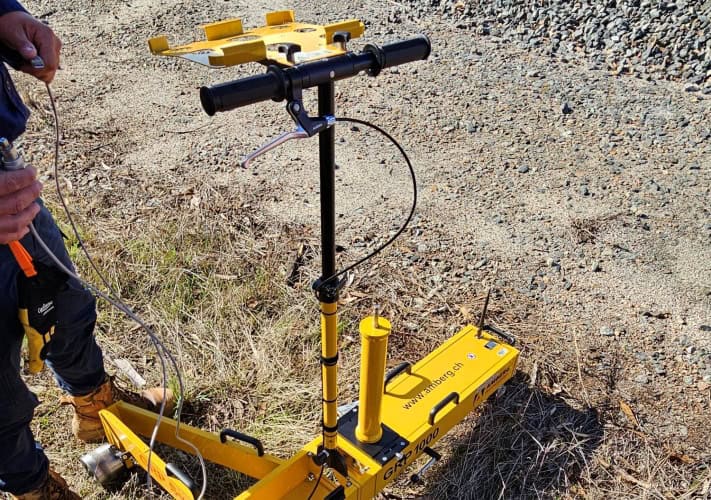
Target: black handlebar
<point>402,52</point>
<point>230,95</point>
<point>277,83</point>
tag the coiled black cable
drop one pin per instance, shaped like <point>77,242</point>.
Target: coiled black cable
<point>382,247</point>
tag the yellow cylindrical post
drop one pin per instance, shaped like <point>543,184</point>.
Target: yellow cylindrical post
<point>374,333</point>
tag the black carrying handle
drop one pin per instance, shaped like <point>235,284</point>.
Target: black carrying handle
<point>453,396</point>
<point>402,367</point>
<point>225,433</point>
<point>277,82</point>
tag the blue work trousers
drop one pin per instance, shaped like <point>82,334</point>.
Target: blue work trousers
<point>72,355</point>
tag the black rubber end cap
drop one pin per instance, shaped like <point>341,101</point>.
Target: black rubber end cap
<point>429,46</point>
<point>208,101</point>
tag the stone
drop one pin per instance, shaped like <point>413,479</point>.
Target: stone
<point>483,262</point>
<point>607,331</point>
<point>631,37</point>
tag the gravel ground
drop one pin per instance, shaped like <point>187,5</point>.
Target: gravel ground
<point>544,169</point>
<point>670,40</point>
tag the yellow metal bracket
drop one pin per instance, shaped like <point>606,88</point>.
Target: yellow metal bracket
<point>282,41</point>
<point>120,434</point>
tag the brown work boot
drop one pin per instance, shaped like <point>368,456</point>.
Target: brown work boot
<point>86,424</point>
<point>54,488</point>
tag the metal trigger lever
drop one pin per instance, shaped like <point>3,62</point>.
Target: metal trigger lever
<point>299,133</point>
<point>306,126</point>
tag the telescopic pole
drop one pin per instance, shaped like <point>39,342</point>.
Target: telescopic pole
<point>328,288</point>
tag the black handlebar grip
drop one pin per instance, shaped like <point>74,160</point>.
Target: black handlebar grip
<point>275,82</point>
<point>397,53</point>
<point>231,95</point>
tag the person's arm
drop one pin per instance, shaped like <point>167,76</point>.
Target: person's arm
<point>10,6</point>
<point>29,37</point>
<point>19,189</point>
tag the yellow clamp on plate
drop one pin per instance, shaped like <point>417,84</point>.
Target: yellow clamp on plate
<point>282,41</point>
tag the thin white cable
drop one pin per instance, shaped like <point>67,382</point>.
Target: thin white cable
<point>115,301</point>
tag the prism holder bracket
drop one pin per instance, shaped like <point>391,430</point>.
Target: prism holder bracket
<point>283,41</point>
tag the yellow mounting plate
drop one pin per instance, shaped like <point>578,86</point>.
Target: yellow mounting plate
<point>227,44</point>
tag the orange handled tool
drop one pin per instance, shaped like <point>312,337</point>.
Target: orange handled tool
<point>10,159</point>
<point>23,258</point>
<point>37,310</point>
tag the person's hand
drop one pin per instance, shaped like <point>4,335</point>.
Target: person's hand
<point>30,37</point>
<point>18,191</point>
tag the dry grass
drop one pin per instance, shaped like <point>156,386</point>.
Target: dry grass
<point>247,346</point>
<point>585,230</point>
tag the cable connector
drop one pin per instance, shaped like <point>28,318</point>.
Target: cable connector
<point>11,158</point>
<point>321,457</point>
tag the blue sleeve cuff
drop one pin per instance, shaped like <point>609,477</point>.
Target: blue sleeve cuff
<point>10,6</point>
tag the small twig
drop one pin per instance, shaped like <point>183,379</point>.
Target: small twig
<point>100,146</point>
<point>702,482</point>
<point>631,479</point>
<point>580,372</point>
<point>620,247</point>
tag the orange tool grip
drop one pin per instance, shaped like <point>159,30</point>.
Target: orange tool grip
<point>23,258</point>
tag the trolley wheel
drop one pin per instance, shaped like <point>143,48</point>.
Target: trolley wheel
<point>106,465</point>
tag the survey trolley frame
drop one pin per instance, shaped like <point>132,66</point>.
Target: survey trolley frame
<point>400,415</point>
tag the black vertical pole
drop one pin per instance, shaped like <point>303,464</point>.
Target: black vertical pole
<point>328,291</point>
<point>327,154</point>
